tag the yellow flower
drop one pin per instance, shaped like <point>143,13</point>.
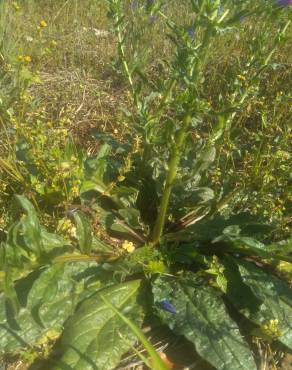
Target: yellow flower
<point>271,329</point>
<point>43,24</point>
<point>242,78</point>
<point>54,43</point>
<point>128,246</point>
<point>27,59</point>
<point>24,58</point>
<point>15,5</point>
<point>121,178</point>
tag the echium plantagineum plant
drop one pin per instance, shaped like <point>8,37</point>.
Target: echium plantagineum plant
<point>81,303</point>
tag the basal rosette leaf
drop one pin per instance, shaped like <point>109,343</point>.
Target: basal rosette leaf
<point>198,313</point>
<point>96,337</point>
<point>46,298</point>
<point>275,297</point>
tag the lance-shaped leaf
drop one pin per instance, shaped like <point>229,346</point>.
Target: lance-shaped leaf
<point>198,313</point>
<point>47,298</point>
<point>30,226</point>
<point>83,232</point>
<point>96,337</point>
<point>276,298</point>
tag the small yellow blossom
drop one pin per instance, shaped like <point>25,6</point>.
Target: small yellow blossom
<point>128,246</point>
<point>54,43</point>
<point>43,24</point>
<point>121,178</point>
<point>24,58</point>
<point>241,77</point>
<point>27,59</point>
<point>75,190</point>
<point>15,5</point>
<point>271,329</point>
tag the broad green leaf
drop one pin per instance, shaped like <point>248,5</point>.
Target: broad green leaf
<point>210,229</point>
<point>51,241</point>
<point>238,293</point>
<point>205,159</point>
<point>30,226</point>
<point>83,232</point>
<point>96,337</point>
<point>157,363</point>
<point>276,298</point>
<point>248,245</point>
<point>89,185</point>
<point>200,315</point>
<point>131,216</point>
<point>283,247</point>
<point>100,246</point>
<point>47,298</point>
<point>116,225</point>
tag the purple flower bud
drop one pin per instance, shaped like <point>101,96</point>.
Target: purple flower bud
<point>220,10</point>
<point>191,32</point>
<point>134,4</point>
<point>153,19</point>
<point>167,306</point>
<point>284,2</point>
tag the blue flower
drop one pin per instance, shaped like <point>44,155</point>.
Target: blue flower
<point>167,306</point>
<point>284,2</point>
<point>153,19</point>
<point>191,32</point>
<point>134,5</point>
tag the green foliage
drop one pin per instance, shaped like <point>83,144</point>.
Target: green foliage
<point>95,336</point>
<point>45,298</point>
<point>202,318</point>
<point>149,228</point>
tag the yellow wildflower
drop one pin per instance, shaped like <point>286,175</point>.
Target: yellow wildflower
<point>24,58</point>
<point>128,246</point>
<point>121,178</point>
<point>27,59</point>
<point>271,329</point>
<point>15,5</point>
<point>241,77</point>
<point>54,43</point>
<point>43,24</point>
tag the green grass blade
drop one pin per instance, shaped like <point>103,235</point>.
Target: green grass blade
<point>157,363</point>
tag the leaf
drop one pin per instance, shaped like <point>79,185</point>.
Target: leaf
<point>156,360</point>
<point>47,298</point>
<point>238,293</point>
<point>276,298</point>
<point>95,337</point>
<point>83,232</point>
<point>247,244</point>
<point>31,226</point>
<point>209,229</point>
<point>51,241</point>
<point>202,318</point>
<point>95,185</point>
<point>205,158</point>
<point>131,216</point>
<point>100,246</point>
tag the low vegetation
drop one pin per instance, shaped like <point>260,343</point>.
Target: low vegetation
<point>145,184</point>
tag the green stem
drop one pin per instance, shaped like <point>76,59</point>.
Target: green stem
<point>177,149</point>
<point>173,163</point>
<point>123,58</point>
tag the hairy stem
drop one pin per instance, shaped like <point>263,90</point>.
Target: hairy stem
<point>173,163</point>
